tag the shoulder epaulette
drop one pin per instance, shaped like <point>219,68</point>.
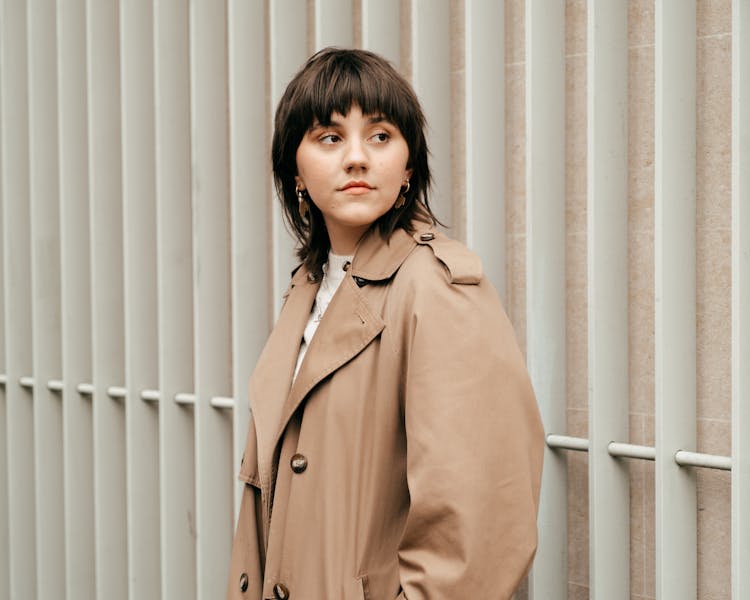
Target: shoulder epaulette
<point>463,265</point>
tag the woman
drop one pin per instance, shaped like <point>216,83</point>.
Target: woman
<point>395,446</point>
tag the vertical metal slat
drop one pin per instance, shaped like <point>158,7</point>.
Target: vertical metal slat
<point>607,257</point>
<point>288,47</point>
<point>105,197</point>
<point>22,575</point>
<point>381,22</point>
<point>545,275</point>
<point>76,301</point>
<point>484,70</point>
<point>4,525</point>
<point>213,429</point>
<point>45,286</point>
<point>139,239</point>
<point>740,299</point>
<point>431,77</point>
<point>333,23</point>
<point>675,352</point>
<point>250,186</point>
<point>175,299</point>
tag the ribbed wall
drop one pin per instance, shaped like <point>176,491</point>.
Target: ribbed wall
<point>595,154</point>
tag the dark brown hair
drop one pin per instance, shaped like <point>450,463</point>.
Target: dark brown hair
<point>332,81</point>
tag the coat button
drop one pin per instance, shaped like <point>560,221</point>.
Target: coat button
<point>243,582</point>
<point>280,592</point>
<point>347,265</point>
<point>427,237</point>
<point>298,463</point>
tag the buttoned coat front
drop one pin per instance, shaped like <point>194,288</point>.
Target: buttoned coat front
<point>404,460</point>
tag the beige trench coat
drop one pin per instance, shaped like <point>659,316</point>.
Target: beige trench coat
<point>404,461</point>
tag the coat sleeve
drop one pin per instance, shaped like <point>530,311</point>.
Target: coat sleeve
<point>474,447</point>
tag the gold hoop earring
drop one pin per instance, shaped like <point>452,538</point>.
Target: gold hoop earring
<point>401,200</point>
<point>304,210</point>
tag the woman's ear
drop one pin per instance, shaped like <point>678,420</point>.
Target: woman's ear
<point>298,182</point>
<point>408,174</point>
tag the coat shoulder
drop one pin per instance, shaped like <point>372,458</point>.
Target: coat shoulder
<point>463,266</point>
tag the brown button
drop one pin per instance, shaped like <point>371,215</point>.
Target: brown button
<point>298,463</point>
<point>280,592</point>
<point>427,237</point>
<point>347,265</point>
<point>243,582</point>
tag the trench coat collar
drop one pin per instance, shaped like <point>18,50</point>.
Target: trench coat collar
<point>377,260</point>
<point>350,324</point>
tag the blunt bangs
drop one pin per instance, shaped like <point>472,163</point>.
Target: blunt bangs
<point>341,84</point>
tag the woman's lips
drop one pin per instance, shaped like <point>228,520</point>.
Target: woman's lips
<point>357,187</point>
<point>357,190</point>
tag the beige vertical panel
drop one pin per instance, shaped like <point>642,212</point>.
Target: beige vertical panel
<point>431,77</point>
<point>141,348</point>
<point>4,550</point>
<point>740,299</point>
<point>76,300</point>
<point>22,578</point>
<point>175,298</point>
<point>607,258</point>
<point>381,28</point>
<point>484,50</point>
<point>288,51</point>
<point>675,386</point>
<point>250,187</point>
<point>211,264</point>
<point>333,23</point>
<point>105,193</point>
<point>45,291</point>
<point>545,274</point>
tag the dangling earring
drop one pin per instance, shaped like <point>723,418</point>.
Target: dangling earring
<point>401,200</point>
<point>303,208</point>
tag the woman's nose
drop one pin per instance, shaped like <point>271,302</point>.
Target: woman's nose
<point>356,156</point>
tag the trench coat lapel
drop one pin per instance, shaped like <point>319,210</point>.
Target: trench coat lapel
<point>350,324</point>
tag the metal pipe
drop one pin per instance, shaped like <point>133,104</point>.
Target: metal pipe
<point>26,381</point>
<point>116,392</point>
<point>697,459</point>
<point>184,398</point>
<point>625,450</point>
<point>222,402</point>
<point>631,451</point>
<point>85,389</point>
<point>55,385</point>
<point>567,442</point>
<point>151,395</point>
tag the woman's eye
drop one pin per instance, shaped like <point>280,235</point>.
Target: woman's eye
<point>329,138</point>
<point>381,137</point>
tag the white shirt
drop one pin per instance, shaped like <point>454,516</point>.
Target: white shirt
<point>333,275</point>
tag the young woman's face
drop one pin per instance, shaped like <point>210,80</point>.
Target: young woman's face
<point>353,170</point>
